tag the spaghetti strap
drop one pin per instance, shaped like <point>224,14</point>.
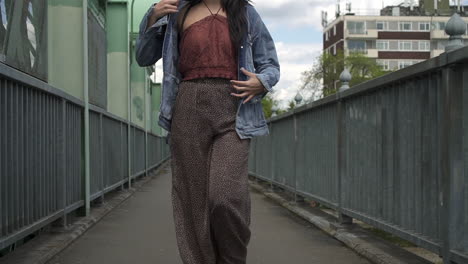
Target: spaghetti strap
<point>210,9</point>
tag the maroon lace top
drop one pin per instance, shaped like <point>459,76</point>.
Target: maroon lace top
<point>206,50</point>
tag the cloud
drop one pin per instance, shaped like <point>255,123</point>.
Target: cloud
<point>293,59</point>
<point>292,13</point>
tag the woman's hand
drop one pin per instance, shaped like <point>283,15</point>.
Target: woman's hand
<point>161,9</point>
<point>250,88</point>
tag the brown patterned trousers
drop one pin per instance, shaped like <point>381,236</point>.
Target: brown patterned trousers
<point>210,195</point>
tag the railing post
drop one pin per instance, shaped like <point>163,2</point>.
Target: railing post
<point>122,151</point>
<point>298,99</point>
<point>455,28</point>
<point>101,147</point>
<point>272,160</point>
<point>87,198</point>
<point>147,79</point>
<point>452,143</point>
<point>345,77</point>
<point>295,155</point>
<point>63,162</point>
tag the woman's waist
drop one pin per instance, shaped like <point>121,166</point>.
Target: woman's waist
<point>208,79</point>
<point>203,73</point>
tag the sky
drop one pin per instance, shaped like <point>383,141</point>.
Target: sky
<point>295,26</point>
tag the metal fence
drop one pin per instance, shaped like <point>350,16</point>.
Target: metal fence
<point>42,154</point>
<point>392,152</point>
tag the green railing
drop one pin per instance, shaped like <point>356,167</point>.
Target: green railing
<point>391,152</point>
<point>42,154</point>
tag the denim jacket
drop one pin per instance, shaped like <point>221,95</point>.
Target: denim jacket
<point>257,54</point>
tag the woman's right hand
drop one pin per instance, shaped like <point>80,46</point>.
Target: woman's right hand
<point>164,7</point>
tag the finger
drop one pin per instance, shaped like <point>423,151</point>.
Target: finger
<point>170,7</point>
<point>246,72</point>
<point>248,98</point>
<point>171,10</point>
<point>241,88</point>
<point>239,95</point>
<point>172,2</point>
<point>240,83</point>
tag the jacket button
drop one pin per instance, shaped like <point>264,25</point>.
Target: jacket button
<point>242,47</point>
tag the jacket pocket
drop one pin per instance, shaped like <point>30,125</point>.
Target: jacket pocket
<point>251,115</point>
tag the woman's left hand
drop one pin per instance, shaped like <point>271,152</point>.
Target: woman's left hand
<point>250,88</point>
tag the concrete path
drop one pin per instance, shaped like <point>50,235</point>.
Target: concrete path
<point>141,231</point>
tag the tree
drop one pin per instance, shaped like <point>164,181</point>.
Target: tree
<point>326,70</point>
<point>292,105</point>
<point>267,104</point>
<point>362,68</point>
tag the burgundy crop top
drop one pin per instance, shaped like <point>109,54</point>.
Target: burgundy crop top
<point>206,50</point>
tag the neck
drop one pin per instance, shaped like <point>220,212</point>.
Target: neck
<point>213,2</point>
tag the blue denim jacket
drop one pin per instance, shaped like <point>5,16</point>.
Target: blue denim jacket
<point>257,54</point>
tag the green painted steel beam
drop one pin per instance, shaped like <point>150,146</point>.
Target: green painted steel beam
<point>87,182</point>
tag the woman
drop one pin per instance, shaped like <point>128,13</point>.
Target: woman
<point>219,61</point>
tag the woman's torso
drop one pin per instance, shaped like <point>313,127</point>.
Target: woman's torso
<point>251,120</point>
<point>206,49</point>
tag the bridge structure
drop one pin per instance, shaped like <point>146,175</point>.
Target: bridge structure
<point>78,123</point>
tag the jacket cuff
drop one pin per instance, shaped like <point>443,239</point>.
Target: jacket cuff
<point>263,80</point>
<point>160,22</point>
<point>164,123</point>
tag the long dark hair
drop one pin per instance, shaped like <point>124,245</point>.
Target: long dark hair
<point>235,11</point>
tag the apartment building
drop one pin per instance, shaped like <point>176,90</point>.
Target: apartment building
<point>399,37</point>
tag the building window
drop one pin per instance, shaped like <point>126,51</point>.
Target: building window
<point>381,25</point>
<point>405,45</point>
<point>326,36</point>
<point>405,26</point>
<point>385,64</point>
<point>357,45</point>
<point>438,25</point>
<point>334,30</point>
<point>424,46</point>
<point>404,64</point>
<point>382,45</point>
<point>355,27</point>
<point>424,26</point>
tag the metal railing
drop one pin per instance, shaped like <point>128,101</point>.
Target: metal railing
<point>391,152</point>
<point>42,154</point>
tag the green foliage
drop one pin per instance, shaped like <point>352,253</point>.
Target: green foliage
<point>327,68</point>
<point>267,104</point>
<point>292,105</point>
<point>362,68</point>
<point>323,71</point>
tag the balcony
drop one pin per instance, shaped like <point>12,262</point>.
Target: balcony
<point>361,34</point>
<point>439,34</point>
<point>437,52</point>
<point>371,53</point>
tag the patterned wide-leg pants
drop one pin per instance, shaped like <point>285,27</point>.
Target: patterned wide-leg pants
<point>210,196</point>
